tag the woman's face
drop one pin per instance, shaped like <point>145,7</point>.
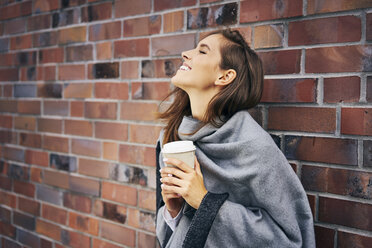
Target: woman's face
<point>201,65</point>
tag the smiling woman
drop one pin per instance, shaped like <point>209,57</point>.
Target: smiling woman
<point>242,191</point>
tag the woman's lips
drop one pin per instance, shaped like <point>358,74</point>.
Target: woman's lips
<point>185,67</point>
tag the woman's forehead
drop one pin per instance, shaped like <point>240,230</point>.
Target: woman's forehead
<point>213,41</point>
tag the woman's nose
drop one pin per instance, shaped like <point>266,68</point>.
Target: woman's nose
<point>185,56</point>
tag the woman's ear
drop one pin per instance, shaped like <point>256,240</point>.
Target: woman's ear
<point>226,77</point>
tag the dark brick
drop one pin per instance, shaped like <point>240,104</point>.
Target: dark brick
<point>110,211</point>
<point>24,221</point>
<point>160,68</point>
<point>49,90</point>
<point>96,12</point>
<point>281,62</point>
<point>347,240</point>
<point>4,45</point>
<point>337,181</point>
<point>128,174</point>
<point>324,237</point>
<point>26,58</point>
<point>367,153</point>
<point>28,238</point>
<point>77,202</point>
<point>8,243</point>
<point>256,114</point>
<point>79,53</point>
<point>25,90</point>
<point>276,139</point>
<point>14,154</point>
<point>170,4</point>
<point>48,194</point>
<point>212,16</point>
<point>357,121</point>
<point>369,89</point>
<point>4,214</point>
<point>6,183</point>
<point>30,140</point>
<point>106,70</point>
<point>38,22</point>
<point>65,17</point>
<point>31,73</point>
<point>45,39</point>
<point>19,172</point>
<point>341,89</point>
<point>7,229</point>
<point>61,162</point>
<point>317,149</point>
<point>333,211</point>
<point>8,137</point>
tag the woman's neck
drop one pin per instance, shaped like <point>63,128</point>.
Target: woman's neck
<point>199,103</point>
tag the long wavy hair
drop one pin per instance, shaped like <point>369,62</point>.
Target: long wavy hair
<point>242,94</point>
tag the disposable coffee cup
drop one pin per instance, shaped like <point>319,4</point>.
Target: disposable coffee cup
<point>181,150</point>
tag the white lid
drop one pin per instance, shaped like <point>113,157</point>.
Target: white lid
<point>179,146</point>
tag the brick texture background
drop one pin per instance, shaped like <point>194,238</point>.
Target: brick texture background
<point>80,80</point>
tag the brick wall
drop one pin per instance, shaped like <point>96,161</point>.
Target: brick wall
<point>80,80</point>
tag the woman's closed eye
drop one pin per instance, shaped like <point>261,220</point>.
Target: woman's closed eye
<point>202,52</point>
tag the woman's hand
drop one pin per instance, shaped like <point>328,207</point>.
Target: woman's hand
<point>185,181</point>
<point>172,201</point>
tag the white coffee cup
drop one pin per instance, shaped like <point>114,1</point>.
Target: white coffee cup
<point>181,150</point>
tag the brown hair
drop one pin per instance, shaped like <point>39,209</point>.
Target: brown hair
<point>242,94</point>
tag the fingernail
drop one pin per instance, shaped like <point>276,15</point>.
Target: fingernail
<point>161,179</point>
<point>161,185</point>
<point>170,175</point>
<point>165,159</point>
<point>160,170</point>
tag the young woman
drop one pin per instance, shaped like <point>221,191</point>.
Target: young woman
<point>242,192</point>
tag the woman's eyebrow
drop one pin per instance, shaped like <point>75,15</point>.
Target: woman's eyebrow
<point>205,45</point>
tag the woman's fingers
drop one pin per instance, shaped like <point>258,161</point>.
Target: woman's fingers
<point>171,189</point>
<point>171,181</point>
<point>171,171</point>
<point>178,163</point>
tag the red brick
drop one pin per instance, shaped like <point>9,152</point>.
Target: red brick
<point>110,151</point>
<point>342,89</point>
<point>13,153</point>
<point>77,108</point>
<point>142,26</point>
<point>79,127</point>
<point>7,59</point>
<point>318,6</point>
<point>8,106</point>
<point>45,5</point>
<point>266,36</point>
<point>324,237</point>
<point>71,72</point>
<point>77,202</point>
<point>137,155</point>
<point>79,53</point>
<point>45,39</point>
<point>111,90</point>
<point>369,27</point>
<point>97,243</point>
<point>8,230</point>
<point>281,62</point>
<point>128,7</point>
<point>302,119</point>
<point>324,30</point>
<point>160,68</point>
<point>48,229</point>
<point>338,59</point>
<point>72,35</point>
<point>25,123</point>
<point>36,175</point>
<point>261,10</point>
<point>94,168</point>
<point>15,26</point>
<point>169,4</point>
<point>39,22</point>
<point>102,110</point>
<point>346,240</point>
<point>147,199</point>
<point>119,193</point>
<point>357,121</point>
<point>54,214</point>
<point>46,73</point>
<point>138,111</point>
<point>8,199</point>
<point>75,240</point>
<point>131,48</point>
<point>10,74</point>
<point>49,125</point>
<point>55,143</point>
<point>129,69</point>
<point>21,42</point>
<point>84,185</point>
<point>312,203</point>
<point>104,50</point>
<point>24,188</point>
<point>118,234</point>
<point>96,12</point>
<point>333,211</point>
<point>29,107</point>
<point>30,140</point>
<point>83,223</point>
<point>105,31</point>
<point>289,90</point>
<point>172,45</point>
<point>6,121</point>
<point>55,178</point>
<point>6,182</point>
<point>86,147</point>
<point>150,91</point>
<point>146,240</point>
<point>326,150</point>
<point>5,214</point>
<point>115,131</point>
<point>37,157</point>
<point>78,90</point>
<point>15,10</point>
<point>322,179</point>
<point>144,134</point>
<point>173,22</point>
<point>59,108</point>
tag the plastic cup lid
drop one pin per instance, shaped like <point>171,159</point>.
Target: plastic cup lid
<point>179,146</point>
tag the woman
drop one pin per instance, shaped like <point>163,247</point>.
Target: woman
<point>242,192</point>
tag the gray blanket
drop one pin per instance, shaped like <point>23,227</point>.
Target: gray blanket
<point>266,204</point>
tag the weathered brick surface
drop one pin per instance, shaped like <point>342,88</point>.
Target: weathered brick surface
<point>81,82</point>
